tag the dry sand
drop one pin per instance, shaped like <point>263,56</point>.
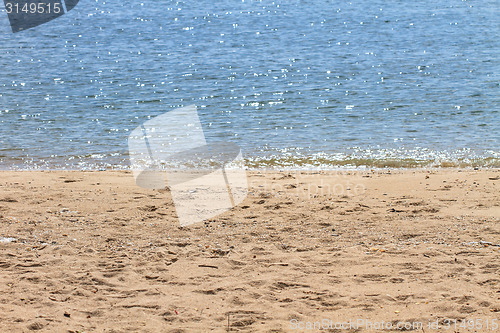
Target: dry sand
<point>95,253</point>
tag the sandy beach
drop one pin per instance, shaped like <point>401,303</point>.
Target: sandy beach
<point>93,252</point>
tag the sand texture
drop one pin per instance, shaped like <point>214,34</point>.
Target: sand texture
<point>92,252</point>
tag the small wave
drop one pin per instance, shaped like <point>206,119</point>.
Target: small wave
<point>324,163</point>
<point>293,159</point>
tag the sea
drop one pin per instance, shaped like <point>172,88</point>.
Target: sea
<point>293,83</point>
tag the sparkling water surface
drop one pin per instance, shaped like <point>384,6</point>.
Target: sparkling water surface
<point>293,83</point>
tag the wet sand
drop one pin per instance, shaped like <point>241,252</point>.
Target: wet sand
<point>92,252</point>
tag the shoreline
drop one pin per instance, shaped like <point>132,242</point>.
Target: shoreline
<point>492,161</point>
<point>285,169</point>
<point>91,251</point>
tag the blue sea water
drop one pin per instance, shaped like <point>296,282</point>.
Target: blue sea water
<point>292,82</point>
